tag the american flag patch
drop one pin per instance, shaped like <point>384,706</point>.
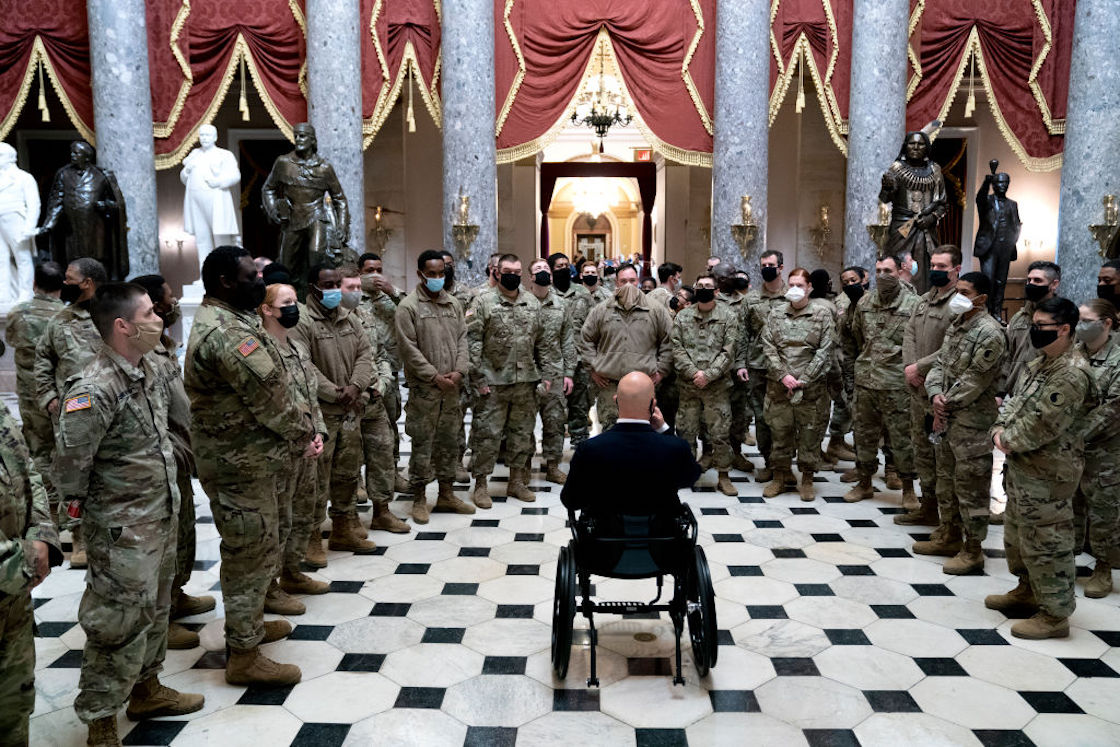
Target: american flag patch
<point>81,402</point>
<point>248,346</point>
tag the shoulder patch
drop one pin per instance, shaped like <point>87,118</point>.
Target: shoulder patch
<point>248,346</point>
<point>81,402</point>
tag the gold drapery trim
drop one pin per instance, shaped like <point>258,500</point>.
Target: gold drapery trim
<point>39,55</point>
<point>367,126</point>
<point>915,61</point>
<point>164,129</point>
<point>301,21</point>
<point>518,78</point>
<point>686,76</point>
<point>1054,126</point>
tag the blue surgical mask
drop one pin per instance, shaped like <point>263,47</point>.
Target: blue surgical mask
<point>331,298</point>
<point>913,267</point>
<point>434,285</point>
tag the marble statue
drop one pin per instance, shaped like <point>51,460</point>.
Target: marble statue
<point>296,196</point>
<point>19,214</point>
<point>916,190</point>
<point>85,214</point>
<point>997,235</point>
<point>211,177</point>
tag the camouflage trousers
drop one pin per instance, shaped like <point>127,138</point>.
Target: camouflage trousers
<point>925,456</point>
<point>297,498</point>
<point>377,444</point>
<point>668,398</point>
<point>432,419</point>
<point>579,405</point>
<point>246,514</point>
<point>878,411</point>
<point>712,407</point>
<point>17,668</point>
<point>392,402</point>
<point>757,389</point>
<point>605,406</point>
<point>1100,493</point>
<point>1038,537</point>
<point>509,411</point>
<point>741,412</point>
<point>123,611</point>
<point>38,432</point>
<point>841,383</point>
<point>340,466</point>
<point>796,427</point>
<point>964,479</point>
<point>185,543</point>
<point>553,409</point>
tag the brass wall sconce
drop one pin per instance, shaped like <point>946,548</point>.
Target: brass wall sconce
<point>1105,233</point>
<point>878,231</point>
<point>745,233</point>
<point>463,232</point>
<point>380,234</point>
<point>822,232</point>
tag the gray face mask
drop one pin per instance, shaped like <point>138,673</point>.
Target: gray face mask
<point>1088,332</point>
<point>351,299</point>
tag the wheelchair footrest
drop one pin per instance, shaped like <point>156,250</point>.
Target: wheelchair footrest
<point>627,608</point>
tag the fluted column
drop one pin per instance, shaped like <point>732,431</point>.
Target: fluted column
<point>1091,168</point>
<point>741,125</point>
<point>876,116</point>
<point>122,119</point>
<point>334,73</point>
<point>469,158</point>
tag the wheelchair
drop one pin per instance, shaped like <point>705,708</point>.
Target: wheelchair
<point>634,547</point>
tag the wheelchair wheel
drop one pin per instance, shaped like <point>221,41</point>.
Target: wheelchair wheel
<point>702,630</point>
<point>563,611</point>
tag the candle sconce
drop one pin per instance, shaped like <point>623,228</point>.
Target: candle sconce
<point>1105,233</point>
<point>745,233</point>
<point>879,231</point>
<point>463,232</point>
<point>822,232</point>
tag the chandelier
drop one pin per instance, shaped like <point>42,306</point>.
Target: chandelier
<point>601,104</point>
<point>592,199</point>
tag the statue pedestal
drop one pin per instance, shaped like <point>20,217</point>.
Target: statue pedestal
<point>188,305</point>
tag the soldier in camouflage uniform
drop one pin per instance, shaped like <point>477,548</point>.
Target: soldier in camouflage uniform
<point>798,340</point>
<point>586,295</point>
<point>115,458</point>
<point>243,424</point>
<point>760,302</point>
<point>1043,279</point>
<point>732,295</point>
<point>464,295</point>
<point>1099,344</point>
<point>29,546</point>
<point>961,385</point>
<point>704,340</point>
<point>854,281</point>
<point>510,356</point>
<point>1039,428</point>
<point>882,402</point>
<point>432,338</point>
<point>556,317</point>
<point>578,302</point>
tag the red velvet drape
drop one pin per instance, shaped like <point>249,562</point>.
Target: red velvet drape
<point>401,29</point>
<point>652,41</point>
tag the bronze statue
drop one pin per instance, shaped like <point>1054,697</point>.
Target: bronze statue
<point>997,235</point>
<point>86,215</point>
<point>296,196</point>
<point>916,190</point>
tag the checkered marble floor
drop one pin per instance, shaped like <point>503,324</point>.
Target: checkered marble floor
<point>831,631</point>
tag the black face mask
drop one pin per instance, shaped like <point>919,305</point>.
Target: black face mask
<point>769,273</point>
<point>448,276</point>
<point>704,295</point>
<point>510,281</point>
<point>590,280</point>
<point>939,278</point>
<point>1040,338</point>
<point>1107,292</point>
<point>740,284</point>
<point>854,292</point>
<point>563,280</point>
<point>1036,293</point>
<point>289,316</point>
<point>250,294</point>
<point>544,277</point>
<point>70,293</point>
<point>675,303</point>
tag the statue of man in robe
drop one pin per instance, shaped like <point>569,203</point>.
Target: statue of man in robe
<point>19,214</point>
<point>915,188</point>
<point>211,177</point>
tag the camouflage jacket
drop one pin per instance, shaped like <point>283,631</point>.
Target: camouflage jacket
<point>24,512</point>
<point>26,324</point>
<point>243,418</point>
<point>1102,425</point>
<point>1020,352</point>
<point>614,342</point>
<point>432,337</point>
<point>799,342</point>
<point>877,332</point>
<point>966,370</point>
<point>381,310</point>
<point>705,342</point>
<point>339,349</point>
<point>926,328</point>
<point>559,325</point>
<point>507,341</point>
<point>760,303</point>
<point>1040,420</point>
<point>303,382</point>
<point>113,452</point>
<point>579,304</point>
<point>69,342</point>
<point>660,295</point>
<point>384,375</point>
<point>597,295</point>
<point>178,406</point>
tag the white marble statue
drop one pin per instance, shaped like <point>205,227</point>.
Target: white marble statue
<point>19,216</point>
<point>210,209</point>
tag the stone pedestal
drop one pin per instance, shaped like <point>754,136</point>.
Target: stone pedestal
<point>469,158</point>
<point>335,100</point>
<point>741,126</point>
<point>876,117</point>
<point>122,119</point>
<point>1091,168</point>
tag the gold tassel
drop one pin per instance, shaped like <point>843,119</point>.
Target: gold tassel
<point>243,100</point>
<point>970,102</point>
<point>44,112</point>
<point>408,115</point>
<point>799,105</point>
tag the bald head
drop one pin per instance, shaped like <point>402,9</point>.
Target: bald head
<point>635,396</point>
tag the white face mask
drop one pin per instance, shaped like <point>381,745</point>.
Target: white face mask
<point>795,294</point>
<point>960,303</point>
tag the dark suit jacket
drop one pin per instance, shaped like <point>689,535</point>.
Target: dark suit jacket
<point>999,229</point>
<point>630,469</point>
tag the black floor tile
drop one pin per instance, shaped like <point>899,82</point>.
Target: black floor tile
<point>52,629</point>
<point>443,635</point>
<point>575,700</point>
<point>847,637</point>
<point>982,637</point>
<point>431,536</point>
<point>814,590</point>
<point>728,537</point>
<point>523,570</point>
<point>767,612</point>
<point>504,665</point>
<point>802,511</point>
<point>751,499</point>
<point>789,666</point>
<point>744,570</point>
<point>203,565</point>
<point>1111,637</point>
<point>862,523</point>
<point>892,552</point>
<point>940,667</point>
<point>528,537</point>
<point>154,732</point>
<point>855,570</point>
<point>265,696</point>
<point>932,590</point>
<point>360,663</point>
<point>474,552</point>
<point>515,611</point>
<point>1089,668</point>
<point>72,659</point>
<point>891,701</point>
<point>211,660</point>
<point>491,736</point>
<point>768,524</point>
<point>1050,702</point>
<point>713,512</point>
<point>734,701</point>
<point>321,735</point>
<point>724,638</point>
<point>1003,738</point>
<point>827,537</point>
<point>660,738</point>
<point>539,511</point>
<point>649,667</point>
<point>484,523</point>
<point>38,602</point>
<point>420,697</point>
<point>459,589</point>
<point>390,609</point>
<point>892,611</point>
<point>831,738</point>
<point>787,552</point>
<point>413,569</point>
<point>347,587</point>
<point>311,632</point>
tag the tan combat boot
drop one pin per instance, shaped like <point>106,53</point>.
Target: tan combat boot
<point>185,605</point>
<point>552,472</point>
<point>251,667</point>
<point>420,512</point>
<point>360,495</point>
<point>1020,598</point>
<point>400,483</point>
<point>725,486</point>
<point>750,440</point>
<point>740,462</point>
<point>150,699</point>
<point>766,474</point>
<point>924,515</point>
<point>969,560</point>
<point>103,733</point>
<point>294,582</point>
<point>945,541</point>
<point>448,503</point>
<point>384,520</point>
<point>78,558</point>
<point>861,492</point>
<point>279,602</point>
<point>1099,585</point>
<point>461,475</point>
<point>838,450</point>
<point>275,630</point>
<point>480,496</point>
<point>315,557</point>
<point>891,478</point>
<point>1041,625</point>
<point>518,486</point>
<point>909,497</point>
<point>705,462</point>
<point>851,475</point>
<point>777,485</point>
<point>180,638</point>
<point>348,535</point>
<point>806,488</point>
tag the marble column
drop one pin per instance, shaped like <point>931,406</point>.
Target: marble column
<point>335,100</point>
<point>741,125</point>
<point>122,119</point>
<point>1091,168</point>
<point>469,160</point>
<point>876,117</point>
